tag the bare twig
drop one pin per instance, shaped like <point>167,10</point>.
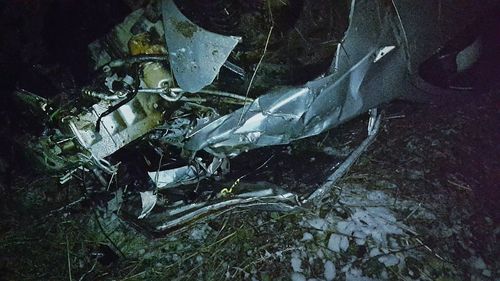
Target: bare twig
<point>221,240</point>
<point>413,212</point>
<point>158,170</point>
<point>256,69</point>
<point>110,181</point>
<point>395,117</point>
<point>106,235</point>
<point>65,207</point>
<point>88,272</point>
<point>400,22</point>
<point>432,251</point>
<point>460,186</point>
<point>69,260</point>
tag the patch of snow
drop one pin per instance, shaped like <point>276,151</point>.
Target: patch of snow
<point>296,262</point>
<point>320,254</point>
<point>317,223</point>
<point>298,277</point>
<point>389,260</point>
<point>330,271</point>
<point>355,274</point>
<point>360,241</point>
<point>375,222</point>
<point>478,263</point>
<point>374,252</point>
<point>487,273</point>
<point>200,232</point>
<point>176,257</point>
<point>394,244</point>
<point>307,236</point>
<point>338,243</point>
<point>342,152</point>
<point>377,196</point>
<point>311,260</point>
<point>384,275</point>
<point>386,184</point>
<point>279,254</point>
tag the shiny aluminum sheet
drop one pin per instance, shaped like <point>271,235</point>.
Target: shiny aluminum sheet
<point>369,65</point>
<point>196,55</point>
<point>375,63</point>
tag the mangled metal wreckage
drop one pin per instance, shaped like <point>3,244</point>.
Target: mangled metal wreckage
<point>160,84</point>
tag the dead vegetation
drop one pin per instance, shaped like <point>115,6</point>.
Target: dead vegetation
<point>419,205</point>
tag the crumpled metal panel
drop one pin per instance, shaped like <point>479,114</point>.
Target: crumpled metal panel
<point>196,55</point>
<point>188,174</point>
<point>174,177</point>
<point>375,63</point>
<point>360,78</point>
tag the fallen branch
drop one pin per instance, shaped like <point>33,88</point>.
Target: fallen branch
<point>320,193</point>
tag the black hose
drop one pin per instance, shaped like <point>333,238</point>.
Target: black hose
<point>135,59</point>
<point>124,101</point>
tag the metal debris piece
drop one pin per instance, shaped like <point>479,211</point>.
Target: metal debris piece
<point>353,86</point>
<point>122,40</point>
<point>148,200</point>
<point>271,200</point>
<point>235,69</point>
<point>385,43</point>
<point>382,52</point>
<point>196,55</point>
<point>188,174</point>
<point>127,123</point>
<point>174,177</point>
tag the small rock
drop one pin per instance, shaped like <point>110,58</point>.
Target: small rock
<point>330,271</point>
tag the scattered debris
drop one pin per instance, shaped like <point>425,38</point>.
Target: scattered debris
<point>147,149</point>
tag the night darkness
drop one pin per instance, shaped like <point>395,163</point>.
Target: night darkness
<point>419,203</point>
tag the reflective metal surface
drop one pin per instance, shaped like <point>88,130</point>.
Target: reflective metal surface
<point>196,55</point>
<point>360,78</point>
<point>127,123</point>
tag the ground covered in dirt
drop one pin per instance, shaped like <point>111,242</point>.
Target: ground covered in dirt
<point>420,204</point>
